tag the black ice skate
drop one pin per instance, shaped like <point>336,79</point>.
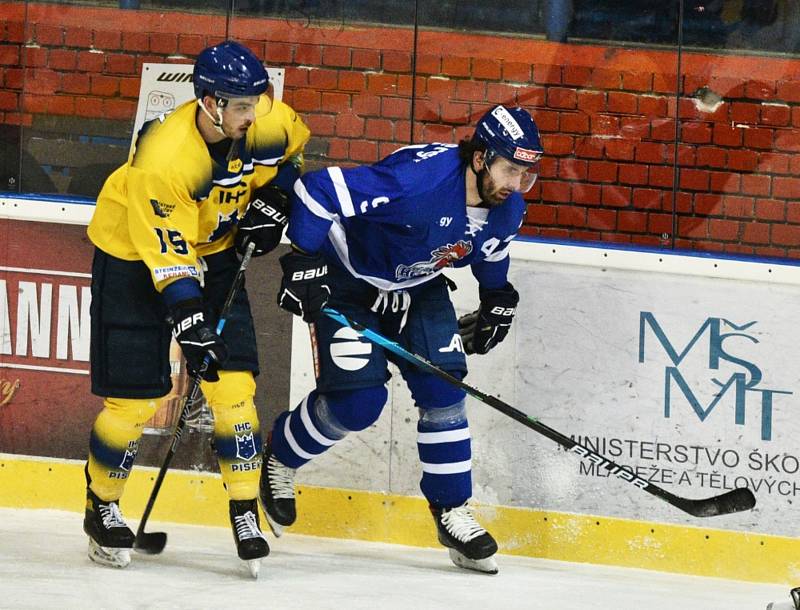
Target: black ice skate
<point>251,544</point>
<point>277,492</point>
<point>792,605</point>
<point>110,538</point>
<point>470,546</point>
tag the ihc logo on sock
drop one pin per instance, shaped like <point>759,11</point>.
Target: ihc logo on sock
<point>245,446</point>
<point>348,351</point>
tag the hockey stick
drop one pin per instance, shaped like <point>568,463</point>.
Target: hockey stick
<point>730,502</point>
<point>154,542</point>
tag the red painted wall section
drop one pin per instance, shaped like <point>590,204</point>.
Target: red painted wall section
<point>609,115</point>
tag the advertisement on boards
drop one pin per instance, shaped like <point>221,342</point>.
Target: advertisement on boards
<point>690,382</point>
<point>46,407</point>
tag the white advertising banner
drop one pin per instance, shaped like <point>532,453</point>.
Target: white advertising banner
<point>689,381</point>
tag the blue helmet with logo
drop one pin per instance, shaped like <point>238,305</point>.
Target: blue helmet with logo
<point>229,69</point>
<point>510,133</point>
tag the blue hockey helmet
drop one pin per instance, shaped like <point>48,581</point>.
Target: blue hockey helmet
<point>227,70</point>
<point>510,133</point>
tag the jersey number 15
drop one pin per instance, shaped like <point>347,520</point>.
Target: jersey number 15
<point>175,240</point>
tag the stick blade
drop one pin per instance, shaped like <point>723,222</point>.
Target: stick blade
<point>734,501</point>
<point>150,544</point>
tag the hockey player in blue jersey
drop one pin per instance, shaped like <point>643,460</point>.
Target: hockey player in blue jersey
<point>372,242</point>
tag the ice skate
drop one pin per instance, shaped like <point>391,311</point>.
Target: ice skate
<point>792,605</point>
<point>471,547</point>
<point>277,492</point>
<point>251,544</point>
<point>110,538</point>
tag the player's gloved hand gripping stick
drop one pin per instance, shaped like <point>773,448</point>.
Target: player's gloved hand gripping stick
<point>730,502</point>
<point>264,221</point>
<point>484,328</point>
<point>304,287</point>
<point>199,343</point>
<point>154,542</point>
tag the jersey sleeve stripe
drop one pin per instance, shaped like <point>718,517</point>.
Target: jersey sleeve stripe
<point>342,194</point>
<point>495,257</point>
<point>314,206</point>
<point>268,161</point>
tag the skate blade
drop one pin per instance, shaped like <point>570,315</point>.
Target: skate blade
<point>277,528</point>
<point>254,566</point>
<point>780,606</point>
<point>107,556</point>
<point>486,566</point>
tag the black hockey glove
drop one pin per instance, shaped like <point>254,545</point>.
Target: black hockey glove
<point>304,289</point>
<point>197,338</point>
<point>264,220</point>
<point>481,330</point>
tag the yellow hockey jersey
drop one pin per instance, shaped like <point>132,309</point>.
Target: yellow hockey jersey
<point>175,200</point>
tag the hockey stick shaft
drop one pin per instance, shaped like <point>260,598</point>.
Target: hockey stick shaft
<point>154,543</point>
<point>730,502</point>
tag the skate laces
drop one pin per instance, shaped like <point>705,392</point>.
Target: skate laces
<point>247,526</point>
<point>281,479</point>
<point>111,515</point>
<point>460,523</point>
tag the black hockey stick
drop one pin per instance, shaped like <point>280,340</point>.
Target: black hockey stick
<point>154,542</point>
<point>730,502</point>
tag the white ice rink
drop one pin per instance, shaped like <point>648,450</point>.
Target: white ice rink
<point>43,564</point>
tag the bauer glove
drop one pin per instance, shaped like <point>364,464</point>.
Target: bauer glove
<point>264,220</point>
<point>197,339</point>
<point>304,288</point>
<point>481,330</point>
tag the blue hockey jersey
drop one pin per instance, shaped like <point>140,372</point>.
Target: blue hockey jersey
<point>402,221</point>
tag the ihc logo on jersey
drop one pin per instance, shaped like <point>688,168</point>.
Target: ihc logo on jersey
<point>443,256</point>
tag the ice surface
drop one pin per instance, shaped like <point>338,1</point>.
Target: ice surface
<point>43,564</point>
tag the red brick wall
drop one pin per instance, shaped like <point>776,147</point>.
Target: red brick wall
<point>607,114</point>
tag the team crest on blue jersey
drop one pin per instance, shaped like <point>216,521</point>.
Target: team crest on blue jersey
<point>441,257</point>
<point>245,447</point>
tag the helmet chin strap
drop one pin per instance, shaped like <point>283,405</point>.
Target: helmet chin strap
<point>215,121</point>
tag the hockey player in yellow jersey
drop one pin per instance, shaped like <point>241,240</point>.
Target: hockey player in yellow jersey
<point>200,184</point>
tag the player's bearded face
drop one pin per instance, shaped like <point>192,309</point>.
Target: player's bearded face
<point>491,193</point>
<point>499,178</point>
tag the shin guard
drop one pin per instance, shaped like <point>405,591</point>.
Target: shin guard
<point>114,443</point>
<point>237,435</point>
<point>443,441</point>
